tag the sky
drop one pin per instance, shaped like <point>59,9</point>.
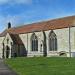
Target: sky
<point>21,12</point>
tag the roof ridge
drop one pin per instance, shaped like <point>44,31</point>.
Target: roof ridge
<point>42,21</point>
<point>57,23</point>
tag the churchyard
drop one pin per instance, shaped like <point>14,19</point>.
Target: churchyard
<point>42,65</point>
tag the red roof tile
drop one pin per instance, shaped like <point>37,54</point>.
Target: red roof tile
<point>16,39</point>
<point>46,25</point>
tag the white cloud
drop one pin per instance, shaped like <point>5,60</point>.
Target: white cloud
<point>2,2</point>
<point>15,20</point>
<point>23,1</point>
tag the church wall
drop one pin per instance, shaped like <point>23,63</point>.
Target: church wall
<point>26,38</point>
<point>9,44</point>
<point>72,37</point>
<point>1,46</point>
<point>62,41</point>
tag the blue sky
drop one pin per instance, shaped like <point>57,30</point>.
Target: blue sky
<point>20,12</point>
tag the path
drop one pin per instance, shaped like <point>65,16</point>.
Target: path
<point>4,70</point>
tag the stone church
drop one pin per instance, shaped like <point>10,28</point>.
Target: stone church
<point>52,38</point>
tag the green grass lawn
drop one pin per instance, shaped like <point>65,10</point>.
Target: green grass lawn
<point>42,66</point>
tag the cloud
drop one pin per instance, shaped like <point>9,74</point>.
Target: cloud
<point>2,2</point>
<point>23,1</point>
<point>15,20</point>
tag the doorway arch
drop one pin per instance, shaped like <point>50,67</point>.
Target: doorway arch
<point>7,51</point>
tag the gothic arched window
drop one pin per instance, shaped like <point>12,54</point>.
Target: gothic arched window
<point>34,42</point>
<point>52,41</point>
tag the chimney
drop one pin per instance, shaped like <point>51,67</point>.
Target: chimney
<point>9,25</point>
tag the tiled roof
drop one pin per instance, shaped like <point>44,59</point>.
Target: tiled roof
<point>16,39</point>
<point>3,33</point>
<point>46,25</point>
